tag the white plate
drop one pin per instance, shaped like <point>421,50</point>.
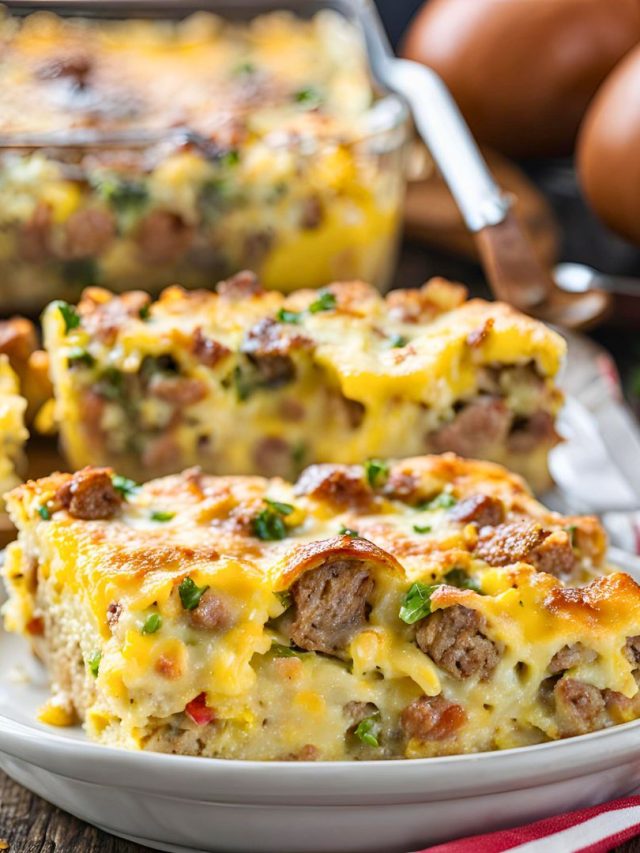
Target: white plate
<point>184,804</point>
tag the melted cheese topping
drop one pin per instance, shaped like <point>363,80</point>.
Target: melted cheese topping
<point>355,367</point>
<point>110,592</point>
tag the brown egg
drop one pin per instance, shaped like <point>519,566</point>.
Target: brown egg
<point>609,149</point>
<point>524,71</point>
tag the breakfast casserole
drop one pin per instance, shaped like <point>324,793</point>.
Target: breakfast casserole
<point>19,343</point>
<point>398,609</point>
<point>247,381</point>
<point>182,150</point>
<point>13,433</point>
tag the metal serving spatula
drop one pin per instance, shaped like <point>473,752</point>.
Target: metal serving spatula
<point>512,269</point>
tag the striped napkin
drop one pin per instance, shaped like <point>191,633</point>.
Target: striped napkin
<point>594,830</point>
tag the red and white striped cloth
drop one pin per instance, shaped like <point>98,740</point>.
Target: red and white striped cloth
<point>594,830</point>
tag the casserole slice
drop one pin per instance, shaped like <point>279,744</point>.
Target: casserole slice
<point>249,381</point>
<point>13,433</point>
<point>424,607</point>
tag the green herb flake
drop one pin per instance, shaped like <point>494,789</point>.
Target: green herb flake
<point>44,512</point>
<point>571,530</point>
<point>268,525</point>
<point>152,623</point>
<point>191,593</point>
<point>445,500</point>
<point>422,528</point>
<point>144,312</point>
<point>69,315</point>
<point>243,384</point>
<point>123,195</point>
<point>162,515</point>
<point>308,96</point>
<point>292,317</point>
<point>281,508</point>
<point>285,598</point>
<point>416,603</point>
<point>79,355</point>
<point>368,731</point>
<point>281,651</point>
<point>110,385</point>
<point>348,531</point>
<point>459,578</point>
<point>326,301</point>
<point>126,487</point>
<point>230,158</point>
<point>94,663</point>
<point>397,341</point>
<point>377,471</point>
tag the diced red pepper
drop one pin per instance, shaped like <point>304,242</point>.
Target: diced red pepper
<point>35,626</point>
<point>198,711</point>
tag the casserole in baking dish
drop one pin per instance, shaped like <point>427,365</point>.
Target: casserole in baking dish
<point>187,147</point>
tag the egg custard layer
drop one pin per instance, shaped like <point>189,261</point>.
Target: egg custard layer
<point>424,607</point>
<point>252,382</point>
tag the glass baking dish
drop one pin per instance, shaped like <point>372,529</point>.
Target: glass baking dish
<point>148,143</point>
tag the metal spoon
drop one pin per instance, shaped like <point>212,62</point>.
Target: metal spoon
<point>580,278</point>
<point>511,266</point>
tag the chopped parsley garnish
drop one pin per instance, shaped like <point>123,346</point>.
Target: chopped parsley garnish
<point>368,731</point>
<point>416,602</point>
<point>191,593</point>
<point>284,598</point>
<point>69,315</point>
<point>79,355</point>
<point>162,515</point>
<point>282,508</point>
<point>44,512</point>
<point>571,530</point>
<point>377,471</point>
<point>284,316</point>
<point>143,313</point>
<point>326,301</point>
<point>244,385</point>
<point>348,531</point>
<point>268,525</point>
<point>123,195</point>
<point>459,578</point>
<point>111,385</point>
<point>94,663</point>
<point>124,485</point>
<point>152,623</point>
<point>230,157</point>
<point>307,95</point>
<point>445,500</point>
<point>281,651</point>
<point>396,341</point>
<point>422,528</point>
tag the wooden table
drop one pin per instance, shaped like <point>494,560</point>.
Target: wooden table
<point>29,824</point>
